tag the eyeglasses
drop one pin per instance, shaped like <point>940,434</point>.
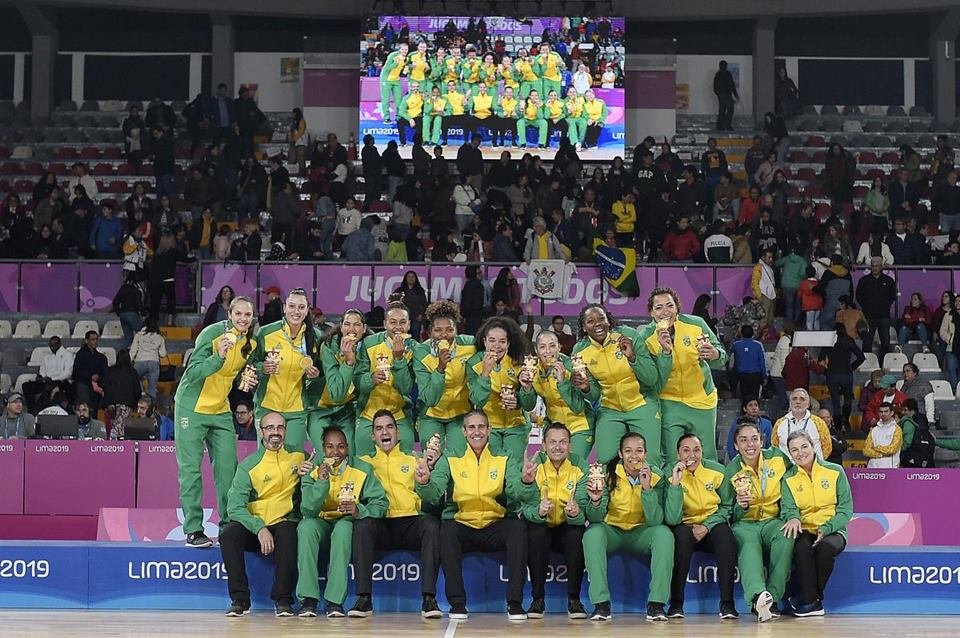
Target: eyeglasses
<point>242,412</point>
<point>273,428</point>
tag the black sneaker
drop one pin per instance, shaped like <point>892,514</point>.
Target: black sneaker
<point>198,540</point>
<point>282,610</point>
<point>238,609</point>
<point>728,611</point>
<point>515,611</point>
<point>536,609</point>
<point>575,610</point>
<point>601,611</point>
<point>363,608</point>
<point>808,610</point>
<point>430,608</point>
<point>458,611</point>
<point>675,611</point>
<point>656,612</point>
<point>308,608</point>
<point>334,610</point>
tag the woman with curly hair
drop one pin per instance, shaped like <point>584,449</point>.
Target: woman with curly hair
<point>440,367</point>
<point>612,366</point>
<point>493,376</point>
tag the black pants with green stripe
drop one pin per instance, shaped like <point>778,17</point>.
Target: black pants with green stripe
<point>456,539</point>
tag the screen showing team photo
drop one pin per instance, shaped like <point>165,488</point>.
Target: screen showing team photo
<point>521,84</point>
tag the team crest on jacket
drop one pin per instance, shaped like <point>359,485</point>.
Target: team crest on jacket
<point>825,484</point>
<point>493,475</point>
<point>543,280</point>
<point>463,474</point>
<point>687,342</point>
<point>709,486</point>
<point>405,468</point>
<point>569,485</point>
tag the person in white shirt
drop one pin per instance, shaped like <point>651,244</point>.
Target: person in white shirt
<point>348,219</point>
<point>779,398</point>
<point>582,80</point>
<point>800,418</point>
<point>56,368</point>
<point>147,349</point>
<point>81,177</point>
<point>883,443</point>
<point>865,254</point>
<point>608,78</point>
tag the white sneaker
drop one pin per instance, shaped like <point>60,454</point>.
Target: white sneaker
<point>763,604</point>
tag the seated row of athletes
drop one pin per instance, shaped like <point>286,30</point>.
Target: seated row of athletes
<point>642,399</point>
<point>449,92</point>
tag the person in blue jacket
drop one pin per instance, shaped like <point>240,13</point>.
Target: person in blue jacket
<point>106,236</point>
<point>749,411</point>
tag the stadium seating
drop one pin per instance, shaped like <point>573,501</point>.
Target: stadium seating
<point>27,329</point>
<point>112,330</point>
<point>926,362</point>
<point>894,361</point>
<point>56,328</point>
<point>81,328</point>
<point>870,363</point>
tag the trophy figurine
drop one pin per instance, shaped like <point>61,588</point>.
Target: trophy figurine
<point>506,392</point>
<point>433,443</point>
<point>273,356</point>
<point>346,492</point>
<point>383,364</point>
<point>442,345</point>
<point>743,484</point>
<point>530,362</point>
<point>248,378</point>
<point>597,477</point>
<point>579,367</point>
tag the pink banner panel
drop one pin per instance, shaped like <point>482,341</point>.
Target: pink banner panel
<point>213,277</point>
<point>9,277</point>
<point>689,283</point>
<point>48,287</point>
<point>98,284</point>
<point>651,89</point>
<point>78,477</point>
<point>11,476</point>
<point>330,88</point>
<point>157,474</point>
<point>929,283</point>
<point>733,284</point>
<point>286,277</point>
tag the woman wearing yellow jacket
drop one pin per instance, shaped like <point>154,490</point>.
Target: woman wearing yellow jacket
<point>618,373</point>
<point>699,512</point>
<point>287,352</point>
<point>626,513</point>
<point>817,495</point>
<point>565,404</point>
<point>440,367</point>
<point>493,376</point>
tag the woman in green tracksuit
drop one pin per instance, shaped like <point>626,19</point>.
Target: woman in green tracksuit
<point>564,403</point>
<point>384,380</point>
<point>627,514</point>
<point>594,116</point>
<point>440,367</point>
<point>552,67</point>
<point>528,71</point>
<point>686,350</point>
<point>758,522</point>
<point>202,414</point>
<point>493,378</point>
<point>818,505</point>
<point>576,124</point>
<point>338,357</point>
<point>287,352</point>
<point>390,81</point>
<point>531,114</point>
<point>620,375</point>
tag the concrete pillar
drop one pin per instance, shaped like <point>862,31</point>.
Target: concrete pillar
<point>942,47</point>
<point>44,45</point>
<point>222,52</point>
<point>764,74</point>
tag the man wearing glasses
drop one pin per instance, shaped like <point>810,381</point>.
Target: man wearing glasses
<point>243,421</point>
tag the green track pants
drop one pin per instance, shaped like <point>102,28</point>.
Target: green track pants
<point>754,540</point>
<point>191,432</point>
<point>656,541</point>
<point>613,424</point>
<point>452,441</point>
<point>318,423</point>
<point>387,90</point>
<point>313,535</point>
<point>541,126</point>
<point>526,87</point>
<point>581,443</point>
<point>510,441</point>
<point>678,419</point>
<point>576,128</point>
<point>363,439</point>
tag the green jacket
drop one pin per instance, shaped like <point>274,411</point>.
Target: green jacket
<point>336,392</point>
<point>393,395</point>
<point>793,270</point>
<point>265,489</point>
<point>673,503</point>
<point>794,504</point>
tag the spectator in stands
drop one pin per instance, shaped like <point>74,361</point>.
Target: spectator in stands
<point>713,164</point>
<point>908,248</point>
<point>915,321</point>
<point>243,421</point>
<point>136,251</point>
<point>162,279</point>
<point>877,205</point>
<point>249,117</point>
<point>121,391</point>
<point>219,310</point>
<point>946,203</point>
<point>763,283</point>
<point>669,163</point>
<point>777,137</point>
<point>520,196</point>
<point>81,177</point>
<point>796,369</point>
<point>198,191</point>
<point>692,194</point>
<point>473,299</point>
<point>786,95</point>
<point>767,234</point>
<point>884,441</point>
<point>164,162</point>
<point>541,243</point>
<point>252,189</point>
<point>742,249</point>
<point>725,89</point>
<point>45,185</point>
<point>220,109</point>
<point>470,161</point>
<point>837,242</point>
<point>749,362</point>
<point>56,368</point>
<point>793,269</point>
<point>942,161</point>
<point>160,115</point>
<point>936,322</point>
<point>800,419</point>
<point>89,428</point>
<point>750,312</point>
<point>360,245</point>
<point>950,335</point>
<point>763,176</point>
<point>16,422</point>
<point>888,395</point>
<point>810,299</point>
<point>876,294</point>
<point>910,162</point>
<point>134,136</point>
<point>778,402</point>
<point>395,167</point>
<point>681,243</point>
<point>755,156</point>
<point>89,370</point>
<point>835,283</point>
<point>286,214</point>
<point>564,338</point>
<point>749,411</point>
<point>46,245</point>
<point>920,392</point>
<point>372,170</point>
<point>147,349</point>
<point>414,297</point>
<point>701,308</point>
<point>128,305</point>
<point>718,247</point>
<point>750,207</point>
<point>502,249</point>
<point>874,246</point>
<point>840,361</point>
<point>106,235</point>
<point>726,203</point>
<point>837,439</point>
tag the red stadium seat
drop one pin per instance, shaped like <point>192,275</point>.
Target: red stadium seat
<point>867,157</point>
<point>103,169</point>
<point>806,174</point>
<point>67,153</point>
<point>874,173</point>
<point>181,153</point>
<point>11,168</point>
<point>813,189</point>
<point>815,140</point>
<point>819,157</point>
<point>146,169</point>
<point>126,169</point>
<point>794,191</point>
<point>90,152</point>
<point>890,157</point>
<point>799,157</point>
<point>33,168</point>
<point>112,152</point>
<point>4,186</point>
<point>821,213</point>
<point>118,186</point>
<point>23,186</point>
<point>57,168</point>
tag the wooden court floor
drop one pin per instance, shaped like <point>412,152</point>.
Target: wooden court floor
<point>140,624</point>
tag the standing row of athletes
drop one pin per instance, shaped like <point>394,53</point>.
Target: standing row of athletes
<point>448,91</point>
<point>643,400</point>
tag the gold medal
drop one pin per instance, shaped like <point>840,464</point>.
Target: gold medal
<point>306,363</point>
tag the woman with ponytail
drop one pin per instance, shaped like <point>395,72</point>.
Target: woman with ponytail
<point>288,354</point>
<point>384,380</point>
<point>202,415</point>
<point>440,367</point>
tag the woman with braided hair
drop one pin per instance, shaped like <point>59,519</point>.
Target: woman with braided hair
<point>440,367</point>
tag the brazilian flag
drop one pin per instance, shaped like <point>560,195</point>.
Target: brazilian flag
<point>619,267</point>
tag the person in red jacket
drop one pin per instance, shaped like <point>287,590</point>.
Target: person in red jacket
<point>811,301</point>
<point>796,369</point>
<point>915,320</point>
<point>888,395</point>
<point>681,243</point>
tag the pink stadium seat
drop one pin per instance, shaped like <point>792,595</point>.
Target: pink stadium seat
<point>23,186</point>
<point>890,157</point>
<point>806,174</point>
<point>118,186</point>
<point>813,189</point>
<point>33,168</point>
<point>794,190</point>
<point>819,157</point>
<point>860,191</point>
<point>57,168</point>
<point>126,169</point>
<point>10,168</point>
<point>815,140</point>
<point>799,156</point>
<point>821,213</point>
<point>874,173</point>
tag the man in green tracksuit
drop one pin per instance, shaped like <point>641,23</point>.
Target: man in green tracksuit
<point>532,115</point>
<point>390,81</point>
<point>334,494</point>
<point>202,415</point>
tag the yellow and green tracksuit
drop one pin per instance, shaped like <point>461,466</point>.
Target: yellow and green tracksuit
<point>576,124</point>
<point>626,393</point>
<point>565,404</point>
<point>324,526</point>
<point>202,416</point>
<point>560,485</point>
<point>688,398</point>
<point>551,69</point>
<point>266,489</point>
<point>821,500</point>
<point>394,471</point>
<point>434,110</point>
<point>481,108</point>
<point>507,112</point>
<point>446,70</point>
<point>555,115</point>
<point>443,396</point>
<point>594,118</point>
<point>470,75</point>
<point>455,114</point>
<point>287,391</point>
<point>758,528</point>
<point>335,405</point>
<point>629,518</point>
<point>418,70</point>
<point>394,395</point>
<point>510,78</point>
<point>528,71</point>
<point>489,76</point>
<point>532,115</point>
<point>509,429</point>
<point>412,106</point>
<point>390,83</point>
<point>699,499</point>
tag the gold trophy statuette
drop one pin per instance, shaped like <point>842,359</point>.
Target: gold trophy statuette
<point>273,356</point>
<point>248,378</point>
<point>579,367</point>
<point>743,484</point>
<point>383,364</point>
<point>703,340</point>
<point>530,362</point>
<point>434,443</point>
<point>346,492</point>
<point>597,477</point>
<point>230,337</point>
<point>506,392</point>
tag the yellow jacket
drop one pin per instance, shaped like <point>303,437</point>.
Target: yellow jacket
<point>687,379</point>
<point>394,395</point>
<point>321,497</point>
<point>265,489</point>
<point>699,498</point>
<point>443,396</point>
<point>821,500</point>
<point>285,391</point>
<point>482,106</point>
<point>395,473</point>
<point>765,485</point>
<point>560,485</point>
<point>614,381</point>
<point>626,215</point>
<point>485,391</point>
<point>629,506</point>
<point>565,403</point>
